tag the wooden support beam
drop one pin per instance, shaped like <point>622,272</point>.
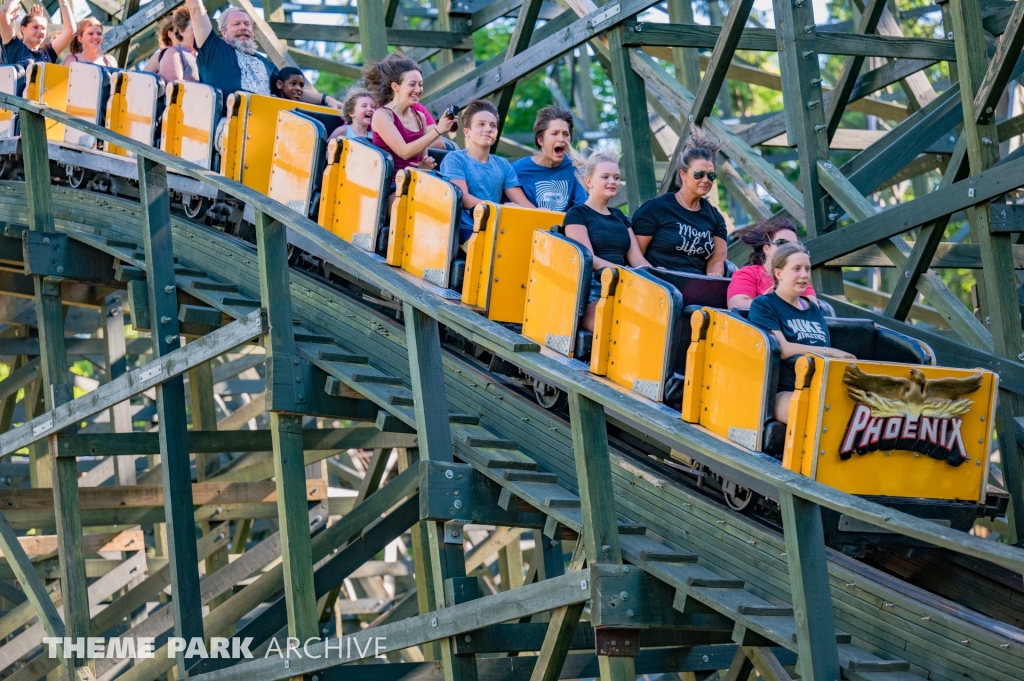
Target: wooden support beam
<point>999,278</point>
<point>54,379</point>
<point>122,33</point>
<point>805,116</point>
<point>130,8</point>
<point>134,382</point>
<point>711,83</point>
<point>851,69</point>
<point>170,396</point>
<point>522,34</point>
<point>372,30</point>
<point>600,526</point>
<point>999,71</point>
<point>809,585</point>
<point>285,393</point>
<point>444,543</point>
<point>354,35</point>
<point>560,631</point>
<point>117,364</point>
<point>634,123</point>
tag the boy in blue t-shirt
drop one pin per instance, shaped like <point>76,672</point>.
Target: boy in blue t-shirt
<point>548,177</point>
<point>480,176</point>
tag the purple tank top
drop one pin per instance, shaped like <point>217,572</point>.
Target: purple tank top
<point>407,136</point>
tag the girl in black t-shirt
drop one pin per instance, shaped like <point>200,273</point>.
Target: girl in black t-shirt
<point>30,44</point>
<point>795,321</point>
<point>603,231</point>
<point>683,231</point>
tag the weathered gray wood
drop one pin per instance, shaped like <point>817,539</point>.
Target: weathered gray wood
<point>134,383</point>
<point>805,119</point>
<point>116,350</point>
<point>372,31</point>
<point>999,70</point>
<point>634,125</point>
<point>170,396</point>
<point>353,34</point>
<point>851,69</point>
<point>283,370</point>
<point>54,380</point>
<point>808,578</point>
<point>558,637</point>
<point>1000,281</point>
<point>428,390</point>
<point>121,33</point>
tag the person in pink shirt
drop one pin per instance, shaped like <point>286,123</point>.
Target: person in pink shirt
<point>755,279</point>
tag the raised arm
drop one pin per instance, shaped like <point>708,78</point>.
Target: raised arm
<point>67,32</point>
<point>7,14</point>
<point>384,125</point>
<point>202,27</point>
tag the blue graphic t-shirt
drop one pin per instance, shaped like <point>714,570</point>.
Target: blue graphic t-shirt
<point>550,188</point>
<point>486,181</point>
<point>681,240</point>
<point>806,327</point>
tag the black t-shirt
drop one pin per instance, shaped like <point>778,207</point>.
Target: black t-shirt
<point>229,70</point>
<point>806,327</point>
<point>609,234</point>
<point>15,52</point>
<point>683,240</point>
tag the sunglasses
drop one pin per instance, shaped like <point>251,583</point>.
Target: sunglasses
<point>779,242</point>
<point>700,174</point>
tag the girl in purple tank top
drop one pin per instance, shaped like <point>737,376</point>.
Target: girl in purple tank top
<point>401,125</point>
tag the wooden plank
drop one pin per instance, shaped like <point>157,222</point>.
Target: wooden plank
<point>45,545</point>
<point>999,70</point>
<point>805,116</point>
<point>487,80</point>
<point>851,69</point>
<point>54,378</point>
<point>372,31</point>
<point>154,11</point>
<point>170,397</point>
<point>353,34</point>
<point>151,496</point>
<point>710,85</point>
<point>130,8</point>
<point>428,389</point>
<point>560,630</point>
<point>133,383</point>
<point>117,365</point>
<point>1000,280</point>
<point>808,578</point>
<point>285,393</point>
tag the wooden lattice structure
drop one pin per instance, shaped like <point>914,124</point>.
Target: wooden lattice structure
<point>660,580</point>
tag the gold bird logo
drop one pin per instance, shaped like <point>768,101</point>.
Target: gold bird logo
<point>916,396</point>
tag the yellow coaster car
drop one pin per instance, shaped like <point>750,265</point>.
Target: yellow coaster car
<point>424,232</point>
<point>889,425</point>
<point>354,192</point>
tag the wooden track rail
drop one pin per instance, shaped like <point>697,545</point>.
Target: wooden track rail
<point>655,565</point>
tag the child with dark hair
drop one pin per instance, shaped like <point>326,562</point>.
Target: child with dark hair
<point>548,177</point>
<point>682,231</point>
<point>290,83</point>
<point>755,279</point>
<point>480,175</point>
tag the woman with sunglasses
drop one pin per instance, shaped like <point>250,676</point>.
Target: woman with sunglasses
<point>683,232</point>
<point>756,278</point>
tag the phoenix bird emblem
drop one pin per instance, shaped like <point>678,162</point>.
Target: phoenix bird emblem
<point>915,396</point>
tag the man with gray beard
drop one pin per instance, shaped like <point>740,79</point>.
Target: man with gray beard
<point>230,62</point>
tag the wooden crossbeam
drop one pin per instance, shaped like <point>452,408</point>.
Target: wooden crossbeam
<point>45,545</point>
<point>134,382</point>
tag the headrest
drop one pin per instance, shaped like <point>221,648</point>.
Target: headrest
<point>697,289</point>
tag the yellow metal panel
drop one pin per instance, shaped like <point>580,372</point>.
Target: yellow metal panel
<point>329,184</point>
<point>696,362</point>
<point>479,255</point>
<point>553,291</point>
<point>8,86</point>
<point>85,91</point>
<point>900,472</point>
<point>293,163</point>
<point>604,322</point>
<point>48,84</point>
<point>260,122</point>
<point>797,436</point>
<point>232,142</point>
<point>641,335</point>
<point>736,369</point>
<point>133,108</point>
<point>430,228</point>
<point>505,291</point>
<point>190,122</point>
<point>396,239</point>
<point>354,187</point>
